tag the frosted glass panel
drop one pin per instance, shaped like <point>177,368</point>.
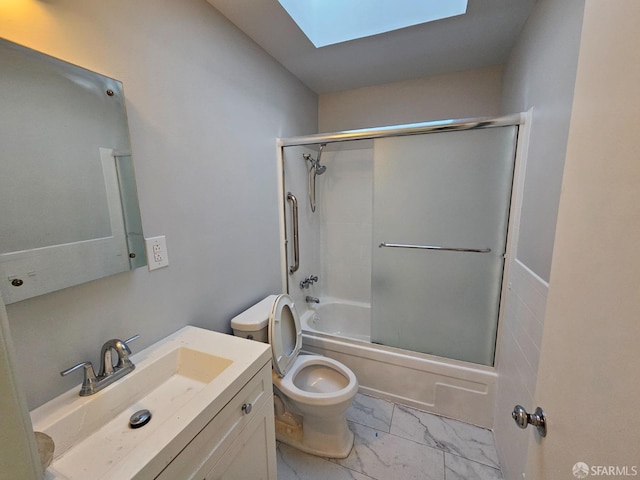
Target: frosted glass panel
<point>442,189</point>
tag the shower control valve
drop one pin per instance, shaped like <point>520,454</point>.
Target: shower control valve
<point>310,280</point>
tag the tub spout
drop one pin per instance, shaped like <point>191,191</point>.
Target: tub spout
<point>309,299</point>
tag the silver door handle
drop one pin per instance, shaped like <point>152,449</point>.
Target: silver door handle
<point>434,247</point>
<point>294,220</point>
<point>524,419</point>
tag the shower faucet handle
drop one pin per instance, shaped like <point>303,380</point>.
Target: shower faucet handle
<point>310,280</point>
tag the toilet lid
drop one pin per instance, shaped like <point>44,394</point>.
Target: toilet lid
<point>285,334</point>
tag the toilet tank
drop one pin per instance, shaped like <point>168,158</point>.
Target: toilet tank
<point>254,322</point>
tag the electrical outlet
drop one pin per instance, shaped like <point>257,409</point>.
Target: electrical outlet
<point>157,256</point>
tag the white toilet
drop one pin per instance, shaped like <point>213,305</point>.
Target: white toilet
<point>311,393</point>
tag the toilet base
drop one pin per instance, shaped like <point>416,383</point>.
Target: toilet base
<point>294,436</point>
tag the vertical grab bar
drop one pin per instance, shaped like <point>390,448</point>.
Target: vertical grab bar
<point>296,247</point>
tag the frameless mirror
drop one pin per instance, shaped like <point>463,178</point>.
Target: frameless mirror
<point>69,202</point>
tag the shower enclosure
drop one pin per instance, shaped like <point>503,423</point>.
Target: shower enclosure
<point>400,233</point>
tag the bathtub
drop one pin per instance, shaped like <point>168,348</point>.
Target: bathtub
<point>341,330</point>
<point>340,318</point>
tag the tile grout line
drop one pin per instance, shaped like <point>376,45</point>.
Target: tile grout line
<point>393,411</point>
<point>402,438</point>
<point>471,460</point>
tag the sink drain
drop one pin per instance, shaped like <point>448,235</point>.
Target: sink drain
<point>140,418</point>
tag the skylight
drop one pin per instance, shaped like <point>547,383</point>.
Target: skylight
<point>326,22</point>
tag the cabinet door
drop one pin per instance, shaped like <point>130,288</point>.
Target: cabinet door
<point>252,454</point>
<point>211,444</point>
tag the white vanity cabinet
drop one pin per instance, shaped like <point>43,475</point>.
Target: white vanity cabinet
<point>238,443</point>
<point>211,400</point>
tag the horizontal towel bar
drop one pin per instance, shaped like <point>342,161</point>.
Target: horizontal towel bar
<point>434,247</point>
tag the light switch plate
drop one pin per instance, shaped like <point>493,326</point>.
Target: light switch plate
<point>157,256</point>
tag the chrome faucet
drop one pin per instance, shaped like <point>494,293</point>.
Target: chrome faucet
<point>109,372</point>
<point>309,299</point>
<point>106,357</point>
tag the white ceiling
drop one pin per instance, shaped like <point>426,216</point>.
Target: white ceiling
<point>482,37</point>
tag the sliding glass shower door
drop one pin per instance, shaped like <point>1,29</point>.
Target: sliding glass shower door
<point>440,213</point>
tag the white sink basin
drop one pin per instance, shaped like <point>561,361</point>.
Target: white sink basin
<point>183,380</point>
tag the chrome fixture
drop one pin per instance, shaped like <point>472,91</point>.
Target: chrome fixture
<point>434,247</point>
<point>140,418</point>
<point>310,280</point>
<point>107,368</point>
<point>294,220</point>
<point>451,125</point>
<point>109,372</point>
<point>309,299</point>
<point>524,419</point>
<point>314,169</point>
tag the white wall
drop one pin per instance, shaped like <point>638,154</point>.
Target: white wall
<point>540,75</point>
<point>345,193</point>
<point>588,382</point>
<point>471,93</point>
<point>295,181</point>
<point>205,106</point>
<point>517,366</point>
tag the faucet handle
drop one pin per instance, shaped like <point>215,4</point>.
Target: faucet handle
<point>126,342</point>
<point>86,366</point>
<point>88,380</point>
<point>131,339</point>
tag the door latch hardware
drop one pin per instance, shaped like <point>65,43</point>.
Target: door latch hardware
<point>524,419</point>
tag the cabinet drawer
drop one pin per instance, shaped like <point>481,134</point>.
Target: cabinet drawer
<point>209,445</point>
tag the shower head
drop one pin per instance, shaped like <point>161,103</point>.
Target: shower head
<point>320,169</point>
<point>316,168</point>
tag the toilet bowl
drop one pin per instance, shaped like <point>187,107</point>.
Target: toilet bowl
<point>311,393</point>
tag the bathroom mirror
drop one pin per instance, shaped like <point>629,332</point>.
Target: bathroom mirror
<point>69,202</point>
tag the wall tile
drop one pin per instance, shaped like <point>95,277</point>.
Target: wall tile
<point>517,364</point>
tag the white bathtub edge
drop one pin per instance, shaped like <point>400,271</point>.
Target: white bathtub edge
<point>444,387</point>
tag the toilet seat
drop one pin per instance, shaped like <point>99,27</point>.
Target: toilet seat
<point>285,334</point>
<point>288,386</point>
<point>285,337</point>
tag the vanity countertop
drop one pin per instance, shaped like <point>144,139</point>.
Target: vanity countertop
<point>184,380</point>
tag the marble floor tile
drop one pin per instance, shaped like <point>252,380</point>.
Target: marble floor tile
<point>296,465</point>
<point>452,436</point>
<point>458,468</point>
<point>383,456</point>
<point>370,411</point>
